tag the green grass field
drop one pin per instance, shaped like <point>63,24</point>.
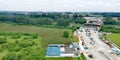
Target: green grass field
<point>47,35</point>
<point>115,38</point>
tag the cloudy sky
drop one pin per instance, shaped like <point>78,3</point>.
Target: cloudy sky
<point>61,5</point>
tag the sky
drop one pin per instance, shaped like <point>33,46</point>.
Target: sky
<point>61,5</point>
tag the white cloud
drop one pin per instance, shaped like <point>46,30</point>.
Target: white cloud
<point>61,5</point>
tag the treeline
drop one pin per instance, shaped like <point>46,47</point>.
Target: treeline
<point>26,20</point>
<point>112,21</point>
<point>110,28</point>
<point>43,19</point>
<point>107,14</point>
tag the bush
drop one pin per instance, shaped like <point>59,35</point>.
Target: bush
<point>17,48</point>
<point>91,56</point>
<point>15,37</point>
<point>1,50</point>
<point>26,43</point>
<point>35,36</point>
<point>25,54</point>
<point>11,56</point>
<point>66,34</point>
<point>3,40</point>
<point>10,47</point>
<point>26,34</point>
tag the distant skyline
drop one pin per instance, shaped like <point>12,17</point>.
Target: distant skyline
<point>61,5</point>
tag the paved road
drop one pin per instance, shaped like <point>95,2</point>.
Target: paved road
<point>99,50</point>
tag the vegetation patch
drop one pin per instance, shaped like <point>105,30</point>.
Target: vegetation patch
<point>75,38</point>
<point>110,28</point>
<point>104,36</point>
<point>83,57</point>
<point>15,43</point>
<point>45,36</point>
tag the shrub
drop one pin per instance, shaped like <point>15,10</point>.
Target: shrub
<point>91,56</point>
<point>10,56</point>
<point>26,43</point>
<point>9,46</point>
<point>3,40</point>
<point>17,48</point>
<point>15,37</point>
<point>1,50</point>
<point>66,34</point>
<point>35,36</point>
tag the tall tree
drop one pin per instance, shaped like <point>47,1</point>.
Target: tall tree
<point>63,22</point>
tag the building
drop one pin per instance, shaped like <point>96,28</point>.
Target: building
<point>61,50</point>
<point>95,22</point>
